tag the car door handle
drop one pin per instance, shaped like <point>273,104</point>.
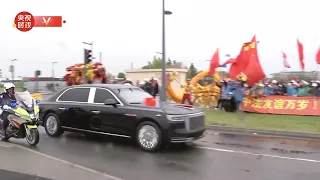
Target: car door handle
<point>96,112</point>
<point>62,108</point>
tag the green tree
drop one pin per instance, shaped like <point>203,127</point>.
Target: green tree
<point>121,75</point>
<point>192,71</point>
<point>155,64</point>
<point>169,63</point>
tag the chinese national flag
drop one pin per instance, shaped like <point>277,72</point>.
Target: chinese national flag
<point>254,71</point>
<point>318,56</point>
<point>243,58</point>
<point>214,63</point>
<point>301,55</point>
<point>47,21</point>
<point>248,63</point>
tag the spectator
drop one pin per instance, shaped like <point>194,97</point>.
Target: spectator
<point>155,87</point>
<point>303,90</point>
<point>292,88</point>
<point>147,86</point>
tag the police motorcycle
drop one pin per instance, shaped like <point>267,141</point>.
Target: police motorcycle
<point>23,119</point>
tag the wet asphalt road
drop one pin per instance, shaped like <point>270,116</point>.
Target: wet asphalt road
<point>9,175</point>
<point>213,157</point>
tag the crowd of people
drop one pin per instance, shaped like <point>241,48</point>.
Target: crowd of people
<point>229,93</point>
<point>151,86</point>
<point>289,88</point>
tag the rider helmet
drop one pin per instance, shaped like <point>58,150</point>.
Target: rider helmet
<point>8,86</point>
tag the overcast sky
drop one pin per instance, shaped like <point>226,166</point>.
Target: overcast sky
<point>129,31</point>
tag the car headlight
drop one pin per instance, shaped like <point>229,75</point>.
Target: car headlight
<point>177,118</point>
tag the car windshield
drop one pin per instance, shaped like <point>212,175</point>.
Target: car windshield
<point>133,95</point>
<point>24,98</point>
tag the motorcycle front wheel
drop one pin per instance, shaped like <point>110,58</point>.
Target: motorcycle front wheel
<point>34,137</point>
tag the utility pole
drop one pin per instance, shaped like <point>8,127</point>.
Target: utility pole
<point>11,69</point>
<point>163,91</point>
<point>53,81</point>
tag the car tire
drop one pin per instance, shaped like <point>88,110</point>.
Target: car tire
<point>148,136</point>
<point>52,125</point>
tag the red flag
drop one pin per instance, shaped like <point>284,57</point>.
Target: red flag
<point>243,58</point>
<point>248,63</point>
<point>301,56</point>
<point>318,56</point>
<point>214,63</point>
<point>229,61</point>
<point>285,62</point>
<point>254,71</point>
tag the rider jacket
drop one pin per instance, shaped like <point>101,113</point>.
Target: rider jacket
<point>6,99</point>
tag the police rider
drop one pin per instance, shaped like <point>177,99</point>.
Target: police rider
<point>6,99</point>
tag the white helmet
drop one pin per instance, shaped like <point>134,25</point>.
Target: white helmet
<point>7,86</point>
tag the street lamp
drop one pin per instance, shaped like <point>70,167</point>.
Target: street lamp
<point>163,96</point>
<point>53,73</point>
<point>11,69</point>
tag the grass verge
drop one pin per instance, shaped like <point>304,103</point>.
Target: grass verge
<point>310,124</point>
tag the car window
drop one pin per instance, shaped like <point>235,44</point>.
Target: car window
<point>133,95</point>
<point>101,95</point>
<point>75,95</point>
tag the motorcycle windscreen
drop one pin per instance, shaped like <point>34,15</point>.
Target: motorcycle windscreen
<point>26,100</point>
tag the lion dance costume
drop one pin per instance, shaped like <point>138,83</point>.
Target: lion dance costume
<point>94,72</point>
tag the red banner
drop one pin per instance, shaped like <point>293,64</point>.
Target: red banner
<point>282,105</point>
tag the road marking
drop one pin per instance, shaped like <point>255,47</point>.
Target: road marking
<point>63,161</point>
<point>257,154</point>
<point>6,145</point>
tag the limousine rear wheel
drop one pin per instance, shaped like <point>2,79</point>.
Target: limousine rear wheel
<point>52,125</point>
<point>148,136</point>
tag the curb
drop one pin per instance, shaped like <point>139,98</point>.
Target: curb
<point>227,130</point>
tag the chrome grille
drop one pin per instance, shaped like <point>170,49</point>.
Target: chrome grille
<point>195,121</point>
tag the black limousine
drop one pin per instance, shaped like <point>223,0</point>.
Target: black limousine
<point>119,110</point>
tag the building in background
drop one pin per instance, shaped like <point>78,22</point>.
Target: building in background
<point>302,75</point>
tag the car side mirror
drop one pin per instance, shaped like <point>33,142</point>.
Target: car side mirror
<point>112,102</point>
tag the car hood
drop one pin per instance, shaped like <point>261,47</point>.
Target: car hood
<point>173,109</point>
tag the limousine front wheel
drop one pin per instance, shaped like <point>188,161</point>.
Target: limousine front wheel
<point>52,125</point>
<point>148,136</point>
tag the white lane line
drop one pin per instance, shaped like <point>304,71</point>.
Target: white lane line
<point>6,145</point>
<point>64,161</point>
<point>257,154</point>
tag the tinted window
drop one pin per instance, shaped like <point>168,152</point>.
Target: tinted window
<point>76,95</point>
<point>133,95</point>
<point>102,95</point>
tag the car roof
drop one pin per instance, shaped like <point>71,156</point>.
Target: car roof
<point>109,86</point>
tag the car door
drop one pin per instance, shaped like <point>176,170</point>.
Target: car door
<point>71,107</point>
<point>112,119</point>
